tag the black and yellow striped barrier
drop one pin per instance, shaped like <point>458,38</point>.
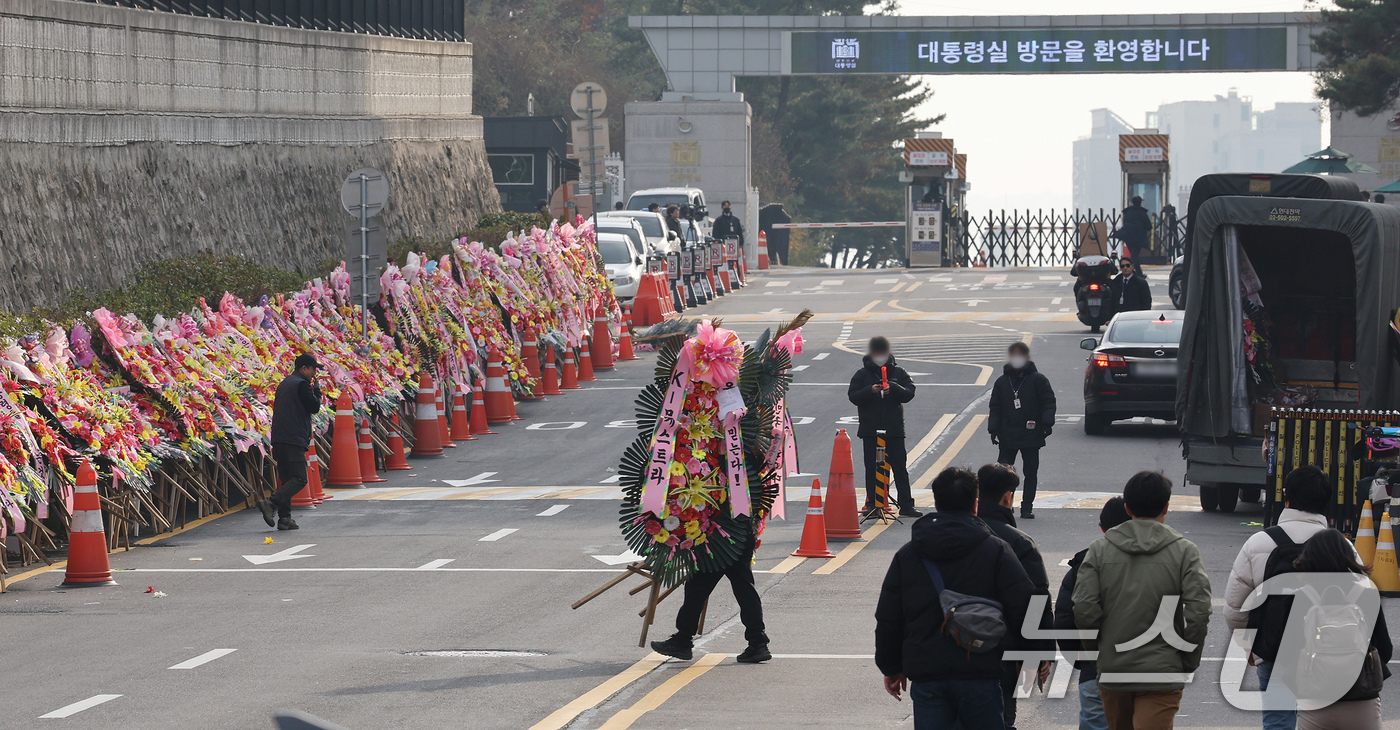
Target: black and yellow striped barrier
<point>1328,439</point>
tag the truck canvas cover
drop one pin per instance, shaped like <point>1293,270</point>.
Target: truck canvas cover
<point>1210,379</point>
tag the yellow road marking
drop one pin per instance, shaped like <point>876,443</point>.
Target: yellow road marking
<point>897,287</point>
<point>933,433</point>
<point>59,564</point>
<point>658,696</point>
<point>851,550</point>
<point>920,484</point>
<point>391,493</point>
<point>566,714</point>
<point>574,492</point>
<point>913,286</point>
<point>868,307</point>
<point>788,564</point>
<point>484,493</point>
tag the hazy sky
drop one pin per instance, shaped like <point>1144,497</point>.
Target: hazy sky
<point>1018,130</point>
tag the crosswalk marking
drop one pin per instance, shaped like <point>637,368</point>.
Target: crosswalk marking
<point>776,282</point>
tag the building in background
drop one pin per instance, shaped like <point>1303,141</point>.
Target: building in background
<point>1223,135</point>
<point>1374,141</point>
<point>528,159</point>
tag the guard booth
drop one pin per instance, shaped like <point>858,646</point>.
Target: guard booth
<point>1145,159</point>
<point>934,185</point>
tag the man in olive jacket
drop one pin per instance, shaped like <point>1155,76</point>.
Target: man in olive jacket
<point>1125,578</point>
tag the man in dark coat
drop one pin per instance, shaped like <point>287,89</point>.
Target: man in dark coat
<point>298,398</point>
<point>673,221</point>
<point>1022,415</point>
<point>996,490</point>
<point>947,683</point>
<point>727,225</point>
<point>1091,715</point>
<point>778,238</point>
<point>1136,230</point>
<point>1130,290</point>
<point>879,401</point>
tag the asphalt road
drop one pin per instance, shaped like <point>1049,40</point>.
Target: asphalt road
<point>442,599</point>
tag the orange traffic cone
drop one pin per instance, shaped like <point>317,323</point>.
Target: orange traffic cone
<point>841,497</point>
<point>427,439</point>
<point>87,540</point>
<point>313,475</point>
<point>1384,570</point>
<point>461,426</point>
<point>602,342</point>
<point>530,353</point>
<point>762,250</point>
<point>549,384</point>
<point>367,473</point>
<point>479,422</point>
<point>394,461</point>
<point>814,530</point>
<point>570,375</point>
<point>444,433</point>
<point>624,351</point>
<point>498,397</point>
<point>306,498</point>
<point>1365,541</point>
<point>585,363</point>
<point>345,458</point>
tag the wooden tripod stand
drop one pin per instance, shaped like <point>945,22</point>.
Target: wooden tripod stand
<point>654,597</point>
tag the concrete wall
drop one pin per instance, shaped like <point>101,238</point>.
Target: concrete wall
<point>127,135</point>
<point>1372,140</point>
<point>713,154</point>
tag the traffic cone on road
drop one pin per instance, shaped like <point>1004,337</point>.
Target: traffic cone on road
<point>306,498</point>
<point>427,439</point>
<point>549,384</point>
<point>762,250</point>
<point>585,362</point>
<point>624,351</point>
<point>313,475</point>
<point>345,448</point>
<point>1366,535</point>
<point>1384,570</point>
<point>367,473</point>
<point>843,521</point>
<point>499,401</point>
<point>530,353</point>
<point>461,425</point>
<point>444,433</point>
<point>813,543</point>
<point>570,375</point>
<point>394,461</point>
<point>478,422</point>
<point>87,539</point>
<point>602,342</point>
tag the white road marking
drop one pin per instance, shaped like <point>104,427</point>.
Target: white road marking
<point>612,479</point>
<point>777,283</point>
<point>622,423</point>
<point>1051,278</point>
<point>624,557</point>
<point>77,707</point>
<point>478,479</point>
<point>776,310</point>
<point>833,282</point>
<point>552,511</point>
<point>1056,300</point>
<point>803,420</point>
<point>820,356</point>
<point>498,534</point>
<point>204,658</point>
<point>556,426</point>
<point>277,557</point>
<point>885,281</point>
<point>800,368</point>
<point>435,564</point>
<point>975,302</point>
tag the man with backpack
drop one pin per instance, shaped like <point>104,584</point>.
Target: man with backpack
<point>950,660</point>
<point>1306,493</point>
<point>1126,578</point>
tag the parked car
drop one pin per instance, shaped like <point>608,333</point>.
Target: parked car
<point>1176,285</point>
<point>628,227</point>
<point>659,238</point>
<point>1132,371</point>
<point>625,265</point>
<point>694,197</point>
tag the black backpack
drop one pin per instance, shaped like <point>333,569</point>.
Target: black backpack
<point>1271,617</point>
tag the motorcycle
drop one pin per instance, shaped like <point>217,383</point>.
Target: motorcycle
<point>1092,290</point>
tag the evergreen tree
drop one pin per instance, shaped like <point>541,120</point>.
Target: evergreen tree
<point>1360,66</point>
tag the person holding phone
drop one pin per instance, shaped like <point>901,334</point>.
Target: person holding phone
<point>879,390</point>
<point>298,398</point>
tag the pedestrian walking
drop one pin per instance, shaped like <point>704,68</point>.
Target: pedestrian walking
<point>1329,551</point>
<point>1136,230</point>
<point>697,593</point>
<point>879,390</point>
<point>996,490</point>
<point>1130,290</point>
<point>1022,416</point>
<point>1121,586</point>
<point>297,399</point>
<point>1306,493</point>
<point>949,552</point>
<point>1091,715</point>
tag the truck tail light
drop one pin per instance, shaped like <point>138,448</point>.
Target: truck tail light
<point>1110,361</point>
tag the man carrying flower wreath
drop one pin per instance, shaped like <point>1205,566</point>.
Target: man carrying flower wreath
<point>298,398</point>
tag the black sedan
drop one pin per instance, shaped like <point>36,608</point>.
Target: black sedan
<point>1132,372</point>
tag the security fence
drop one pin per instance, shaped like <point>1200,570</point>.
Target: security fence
<point>1049,238</point>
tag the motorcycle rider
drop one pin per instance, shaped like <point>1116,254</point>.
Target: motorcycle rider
<point>1022,416</point>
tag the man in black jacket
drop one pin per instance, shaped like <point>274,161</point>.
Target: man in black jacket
<point>1130,290</point>
<point>996,489</point>
<point>298,398</point>
<point>727,225</point>
<point>947,683</point>
<point>879,400</point>
<point>1136,230</point>
<point>1091,715</point>
<point>1022,415</point>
